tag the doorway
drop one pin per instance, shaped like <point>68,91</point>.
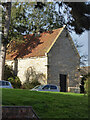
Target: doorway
<point>63,81</point>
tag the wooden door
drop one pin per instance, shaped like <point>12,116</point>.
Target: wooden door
<point>63,82</point>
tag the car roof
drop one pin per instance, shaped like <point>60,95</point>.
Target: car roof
<point>4,81</point>
<point>51,84</point>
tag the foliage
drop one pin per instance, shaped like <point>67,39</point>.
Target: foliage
<point>85,82</point>
<point>86,86</point>
<point>8,72</point>
<point>33,78</point>
<point>4,30</point>
<point>76,15</point>
<point>16,83</point>
<point>54,105</point>
<point>83,58</point>
<point>6,16</point>
<point>25,18</point>
<point>10,76</point>
<point>29,17</point>
<point>30,85</point>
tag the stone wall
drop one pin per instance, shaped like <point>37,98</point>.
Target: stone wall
<point>18,113</point>
<point>39,63</point>
<point>63,58</point>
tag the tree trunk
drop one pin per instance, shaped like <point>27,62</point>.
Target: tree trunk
<point>5,33</point>
<point>3,56</point>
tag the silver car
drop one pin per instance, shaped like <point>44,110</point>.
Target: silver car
<point>48,87</point>
<point>5,84</point>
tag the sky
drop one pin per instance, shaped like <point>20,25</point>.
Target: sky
<point>82,40</point>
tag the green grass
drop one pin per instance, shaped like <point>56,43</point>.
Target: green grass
<point>48,104</point>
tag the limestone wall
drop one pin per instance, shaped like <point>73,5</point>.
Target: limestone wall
<point>63,59</point>
<point>38,63</point>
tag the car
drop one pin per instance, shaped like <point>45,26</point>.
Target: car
<point>5,84</point>
<point>48,87</point>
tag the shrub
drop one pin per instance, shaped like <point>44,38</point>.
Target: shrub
<point>16,83</point>
<point>10,76</point>
<point>8,72</point>
<point>86,80</point>
<point>30,85</point>
<point>86,86</point>
<point>32,78</point>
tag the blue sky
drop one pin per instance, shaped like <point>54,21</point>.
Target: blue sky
<point>83,40</point>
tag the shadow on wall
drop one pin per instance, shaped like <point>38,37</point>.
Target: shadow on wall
<point>33,78</point>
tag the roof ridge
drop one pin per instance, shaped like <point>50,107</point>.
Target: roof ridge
<point>55,39</point>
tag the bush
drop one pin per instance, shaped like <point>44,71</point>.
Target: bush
<point>10,76</point>
<point>16,83</point>
<point>86,80</point>
<point>8,72</point>
<point>32,78</point>
<point>86,86</point>
<point>30,85</point>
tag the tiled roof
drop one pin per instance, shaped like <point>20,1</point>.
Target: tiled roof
<point>34,46</point>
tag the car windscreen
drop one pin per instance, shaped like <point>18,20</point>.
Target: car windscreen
<point>46,87</point>
<point>3,83</point>
<point>37,87</point>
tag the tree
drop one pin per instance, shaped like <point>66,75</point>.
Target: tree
<point>85,82</point>
<point>26,19</point>
<point>77,19</point>
<point>19,28</point>
<point>9,75</point>
<point>78,15</point>
<point>83,57</point>
<point>5,31</point>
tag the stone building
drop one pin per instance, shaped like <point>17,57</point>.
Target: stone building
<point>51,54</point>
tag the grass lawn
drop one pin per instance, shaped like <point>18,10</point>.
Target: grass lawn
<point>48,104</point>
